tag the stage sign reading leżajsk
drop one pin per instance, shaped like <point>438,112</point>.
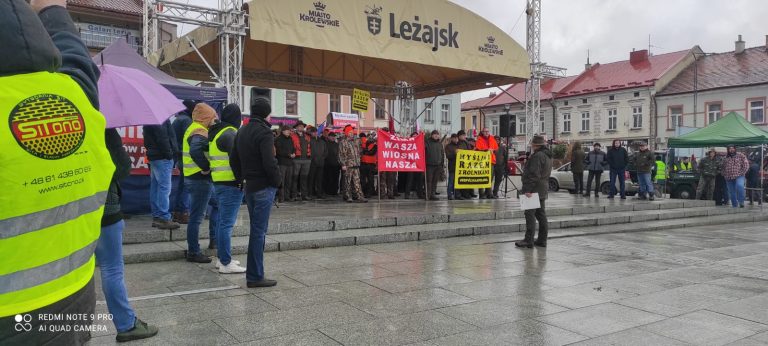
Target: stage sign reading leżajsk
<point>473,169</point>
<point>400,154</point>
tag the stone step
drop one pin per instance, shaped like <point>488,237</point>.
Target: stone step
<point>141,231</point>
<point>560,226</point>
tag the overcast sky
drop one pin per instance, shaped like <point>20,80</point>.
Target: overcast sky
<point>611,28</point>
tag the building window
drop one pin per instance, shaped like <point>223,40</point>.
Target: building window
<point>541,124</point>
<point>611,97</point>
<point>637,117</point>
<point>757,112</point>
<point>676,117</point>
<point>714,112</point>
<point>291,103</point>
<point>566,122</point>
<point>463,125</point>
<point>613,119</point>
<point>565,103</point>
<point>334,103</point>
<point>521,125</point>
<point>474,121</point>
<point>380,112</point>
<point>637,94</point>
<point>495,127</point>
<point>445,114</point>
<point>584,121</point>
<point>428,117</point>
<point>584,101</point>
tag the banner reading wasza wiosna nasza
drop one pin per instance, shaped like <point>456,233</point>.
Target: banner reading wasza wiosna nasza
<point>473,169</point>
<point>400,154</point>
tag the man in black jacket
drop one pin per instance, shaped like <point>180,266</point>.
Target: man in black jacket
<point>318,146</point>
<point>285,152</point>
<point>253,160</point>
<point>500,170</point>
<point>435,160</point>
<point>535,179</point>
<point>332,166</point>
<point>450,153</point>
<point>618,159</point>
<point>160,141</point>
<point>181,196</point>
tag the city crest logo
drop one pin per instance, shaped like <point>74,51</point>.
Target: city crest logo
<point>373,15</point>
<point>490,47</point>
<point>317,15</point>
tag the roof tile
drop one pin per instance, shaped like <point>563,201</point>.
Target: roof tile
<point>723,70</point>
<point>122,6</point>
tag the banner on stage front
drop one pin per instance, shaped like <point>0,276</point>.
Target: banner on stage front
<point>400,154</point>
<point>360,100</point>
<point>473,169</point>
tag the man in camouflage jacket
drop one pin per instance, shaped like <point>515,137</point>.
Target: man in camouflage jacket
<point>709,167</point>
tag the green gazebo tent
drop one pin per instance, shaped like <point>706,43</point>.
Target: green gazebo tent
<point>732,129</point>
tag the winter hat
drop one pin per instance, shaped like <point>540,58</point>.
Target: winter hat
<point>348,129</point>
<point>597,145</point>
<point>203,114</point>
<point>435,132</point>
<point>461,133</point>
<point>538,140</point>
<point>260,107</point>
<point>190,104</point>
<point>285,128</point>
<point>232,115</point>
<point>300,123</point>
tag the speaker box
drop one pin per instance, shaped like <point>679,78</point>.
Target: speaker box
<point>507,126</point>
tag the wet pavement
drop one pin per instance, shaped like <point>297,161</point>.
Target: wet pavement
<point>700,286</point>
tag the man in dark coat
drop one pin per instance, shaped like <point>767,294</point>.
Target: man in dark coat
<point>285,152</point>
<point>318,146</point>
<point>595,165</point>
<point>618,160</point>
<point>160,141</point>
<point>501,168</point>
<point>535,179</point>
<point>577,167</point>
<point>332,166</point>
<point>464,145</point>
<point>645,161</point>
<point>253,160</point>
<point>181,196</point>
<point>435,160</point>
<point>450,153</point>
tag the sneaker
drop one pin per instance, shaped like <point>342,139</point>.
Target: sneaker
<point>450,198</point>
<point>262,283</point>
<point>231,268</point>
<point>166,224</point>
<point>140,330</point>
<point>198,258</point>
<point>217,263</point>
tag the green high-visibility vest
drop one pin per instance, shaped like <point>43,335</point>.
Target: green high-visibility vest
<point>661,170</point>
<point>190,167</point>
<point>220,168</point>
<point>55,171</point>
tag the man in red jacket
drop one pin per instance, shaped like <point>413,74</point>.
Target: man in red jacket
<point>486,142</point>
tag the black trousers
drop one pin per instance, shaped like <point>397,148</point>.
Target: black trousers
<point>415,181</point>
<point>332,179</point>
<point>578,182</point>
<point>286,177</point>
<point>596,176</point>
<point>498,177</point>
<point>531,217</point>
<point>367,172</point>
<point>315,180</point>
<point>433,175</point>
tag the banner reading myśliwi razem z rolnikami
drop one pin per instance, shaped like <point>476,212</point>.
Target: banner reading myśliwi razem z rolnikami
<point>400,154</point>
<point>473,169</point>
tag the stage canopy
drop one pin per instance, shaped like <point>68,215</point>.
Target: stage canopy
<point>732,129</point>
<point>119,53</point>
<point>333,46</point>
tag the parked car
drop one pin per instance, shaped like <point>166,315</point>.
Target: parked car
<point>562,178</point>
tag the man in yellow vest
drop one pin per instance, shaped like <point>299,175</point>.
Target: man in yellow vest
<point>229,191</point>
<point>197,179</point>
<point>684,165</point>
<point>54,173</point>
<point>661,173</point>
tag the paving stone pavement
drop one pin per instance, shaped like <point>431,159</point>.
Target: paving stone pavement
<point>691,286</point>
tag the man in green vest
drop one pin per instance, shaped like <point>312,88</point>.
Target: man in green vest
<point>54,183</point>
<point>229,191</point>
<point>197,178</point>
<point>684,165</point>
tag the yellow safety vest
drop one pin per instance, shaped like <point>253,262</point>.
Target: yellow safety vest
<point>190,167</point>
<point>55,171</point>
<point>683,166</point>
<point>220,168</point>
<point>661,170</point>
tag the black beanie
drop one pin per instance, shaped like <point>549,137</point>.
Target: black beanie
<point>260,107</point>
<point>232,115</point>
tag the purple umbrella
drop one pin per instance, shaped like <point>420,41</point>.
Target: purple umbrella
<point>130,97</point>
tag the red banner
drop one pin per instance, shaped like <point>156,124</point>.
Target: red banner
<point>400,154</point>
<point>133,142</point>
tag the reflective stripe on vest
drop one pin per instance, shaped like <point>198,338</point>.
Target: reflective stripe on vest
<point>190,167</point>
<point>661,170</point>
<point>220,169</point>
<point>54,173</point>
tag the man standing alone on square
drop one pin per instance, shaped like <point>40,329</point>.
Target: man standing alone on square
<point>535,179</point>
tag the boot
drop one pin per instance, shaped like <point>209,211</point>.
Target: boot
<point>165,224</point>
<point>524,243</point>
<point>140,330</point>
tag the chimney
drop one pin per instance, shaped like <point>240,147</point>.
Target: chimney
<point>739,46</point>
<point>588,65</point>
<point>493,94</point>
<point>638,56</point>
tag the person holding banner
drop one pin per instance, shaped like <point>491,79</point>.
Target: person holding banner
<point>486,142</point>
<point>535,180</point>
<point>450,152</point>
<point>387,180</point>
<point>349,157</point>
<point>435,160</point>
<point>464,145</point>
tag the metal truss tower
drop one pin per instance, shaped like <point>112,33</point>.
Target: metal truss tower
<point>229,19</point>
<point>533,86</point>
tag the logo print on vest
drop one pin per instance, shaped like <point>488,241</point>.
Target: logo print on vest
<point>47,126</point>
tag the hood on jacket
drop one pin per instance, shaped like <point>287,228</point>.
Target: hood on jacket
<point>231,115</point>
<point>546,151</point>
<point>30,48</point>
